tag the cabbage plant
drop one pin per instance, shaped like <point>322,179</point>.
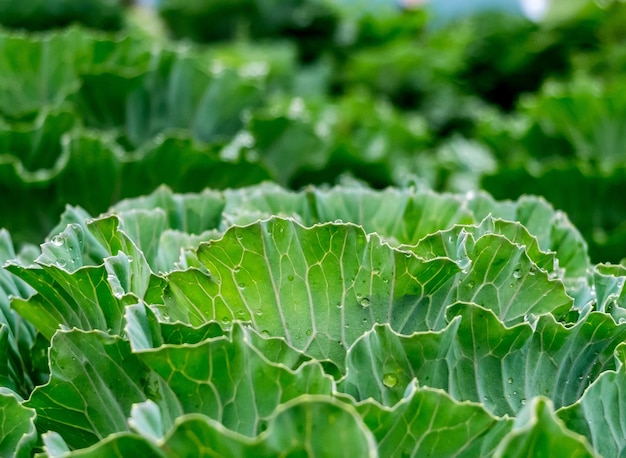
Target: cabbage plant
<point>339,321</point>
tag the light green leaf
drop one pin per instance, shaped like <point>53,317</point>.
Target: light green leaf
<point>118,445</point>
<point>306,426</point>
<point>402,216</point>
<point>229,380</point>
<point>95,379</point>
<point>16,334</point>
<point>598,414</point>
<point>17,426</point>
<point>476,358</point>
<point>145,419</point>
<point>428,422</point>
<point>320,288</point>
<point>537,431</point>
<point>189,213</point>
<point>497,273</point>
<point>83,299</point>
<point>54,445</point>
<point>35,72</point>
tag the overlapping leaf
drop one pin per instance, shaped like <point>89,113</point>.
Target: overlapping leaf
<point>476,358</point>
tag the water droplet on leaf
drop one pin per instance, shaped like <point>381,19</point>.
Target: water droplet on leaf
<point>390,380</point>
<point>365,302</point>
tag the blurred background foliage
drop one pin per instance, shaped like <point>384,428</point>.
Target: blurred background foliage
<point>102,100</point>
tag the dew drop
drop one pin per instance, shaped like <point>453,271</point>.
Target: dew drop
<point>240,312</point>
<point>523,401</point>
<point>165,316</point>
<point>130,258</point>
<point>241,286</point>
<point>471,284</point>
<point>450,239</point>
<point>57,240</point>
<point>265,333</point>
<point>237,268</point>
<point>226,320</point>
<point>61,262</point>
<point>532,270</point>
<point>365,302</point>
<point>517,273</point>
<point>309,332</point>
<point>290,277</point>
<point>258,312</point>
<point>510,381</point>
<point>390,380</point>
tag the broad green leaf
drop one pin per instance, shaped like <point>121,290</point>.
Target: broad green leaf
<point>197,165</point>
<point>597,415</point>
<point>127,268</point>
<point>189,213</point>
<point>93,253</point>
<point>35,71</point>
<point>553,230</point>
<point>305,426</point>
<point>176,91</point>
<point>229,380</point>
<point>537,431</point>
<point>17,426</point>
<point>119,445</point>
<point>16,334</point>
<point>30,152</point>
<point>146,419</point>
<point>146,332</point>
<point>498,274</point>
<point>427,422</point>
<point>95,379</point>
<point>476,358</point>
<point>247,205</point>
<point>83,299</point>
<point>401,216</point>
<point>320,288</point>
<point>54,445</point>
<point>584,194</point>
<point>608,285</point>
<point>92,172</point>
